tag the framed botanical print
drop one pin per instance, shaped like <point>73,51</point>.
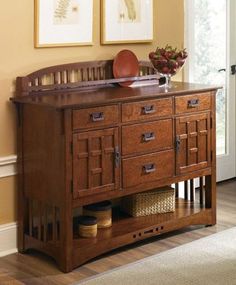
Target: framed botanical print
<point>127,21</point>
<point>63,23</point>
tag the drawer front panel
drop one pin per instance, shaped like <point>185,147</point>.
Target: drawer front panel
<point>147,137</point>
<point>146,110</point>
<point>193,103</point>
<point>95,117</point>
<point>148,168</point>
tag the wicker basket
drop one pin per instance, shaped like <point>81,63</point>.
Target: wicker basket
<point>148,203</point>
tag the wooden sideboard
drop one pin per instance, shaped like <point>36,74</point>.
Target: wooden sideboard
<point>80,143</point>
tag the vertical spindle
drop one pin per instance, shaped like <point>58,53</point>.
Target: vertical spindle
<point>186,190</point>
<point>201,189</point>
<point>177,190</point>
<point>192,190</point>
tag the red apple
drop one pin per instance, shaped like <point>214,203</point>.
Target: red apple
<point>165,70</point>
<point>151,55</point>
<point>180,61</point>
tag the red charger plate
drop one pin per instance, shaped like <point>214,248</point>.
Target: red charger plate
<point>125,64</point>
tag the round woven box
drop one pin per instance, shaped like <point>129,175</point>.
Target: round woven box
<point>102,211</point>
<point>87,226</point>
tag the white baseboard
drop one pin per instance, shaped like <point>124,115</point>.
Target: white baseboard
<point>8,166</point>
<point>8,239</point>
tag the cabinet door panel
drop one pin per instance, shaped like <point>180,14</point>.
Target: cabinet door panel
<point>193,151</point>
<point>94,167</point>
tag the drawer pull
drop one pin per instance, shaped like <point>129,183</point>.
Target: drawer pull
<point>117,157</point>
<point>148,109</point>
<point>147,137</point>
<point>177,143</point>
<point>194,103</point>
<point>97,117</point>
<point>149,168</point>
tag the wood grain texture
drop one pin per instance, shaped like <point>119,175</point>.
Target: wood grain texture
<point>72,156</point>
<point>147,137</point>
<point>157,108</point>
<point>43,154</point>
<point>35,268</point>
<point>162,165</point>
<point>21,216</point>
<point>194,134</point>
<point>74,75</point>
<point>95,117</point>
<point>94,166</point>
<point>88,98</point>
<point>193,103</point>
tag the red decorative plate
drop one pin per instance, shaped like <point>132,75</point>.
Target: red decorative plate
<point>125,64</point>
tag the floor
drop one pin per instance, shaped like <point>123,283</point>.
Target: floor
<point>35,268</point>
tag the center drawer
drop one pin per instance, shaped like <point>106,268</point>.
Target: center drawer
<point>148,168</point>
<point>147,137</point>
<point>146,110</point>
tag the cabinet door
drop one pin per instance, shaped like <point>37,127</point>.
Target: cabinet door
<point>193,145</point>
<point>95,162</point>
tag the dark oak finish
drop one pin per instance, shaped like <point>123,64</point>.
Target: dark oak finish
<point>79,146</point>
<point>77,75</point>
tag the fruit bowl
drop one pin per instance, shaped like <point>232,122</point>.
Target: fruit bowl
<point>168,61</point>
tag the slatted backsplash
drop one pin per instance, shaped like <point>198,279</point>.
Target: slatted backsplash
<point>71,75</point>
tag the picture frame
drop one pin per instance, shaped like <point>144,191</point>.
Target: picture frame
<point>126,21</point>
<point>63,23</point>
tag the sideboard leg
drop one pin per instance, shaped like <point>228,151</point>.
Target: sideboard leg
<point>66,238</point>
<point>20,215</point>
<point>210,195</point>
<point>21,201</point>
<point>210,190</point>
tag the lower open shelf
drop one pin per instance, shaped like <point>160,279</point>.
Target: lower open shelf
<point>126,229</point>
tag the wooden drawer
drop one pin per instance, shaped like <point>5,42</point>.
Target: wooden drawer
<point>148,168</point>
<point>147,137</point>
<point>193,103</point>
<point>145,110</point>
<point>95,117</point>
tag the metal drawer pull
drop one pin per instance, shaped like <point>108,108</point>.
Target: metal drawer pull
<point>177,143</point>
<point>96,117</point>
<point>148,109</point>
<point>148,137</point>
<point>193,103</point>
<point>117,157</point>
<point>149,168</point>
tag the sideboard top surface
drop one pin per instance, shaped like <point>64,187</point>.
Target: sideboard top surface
<point>62,99</point>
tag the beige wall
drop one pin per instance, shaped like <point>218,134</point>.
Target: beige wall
<point>18,57</point>
<point>7,200</point>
